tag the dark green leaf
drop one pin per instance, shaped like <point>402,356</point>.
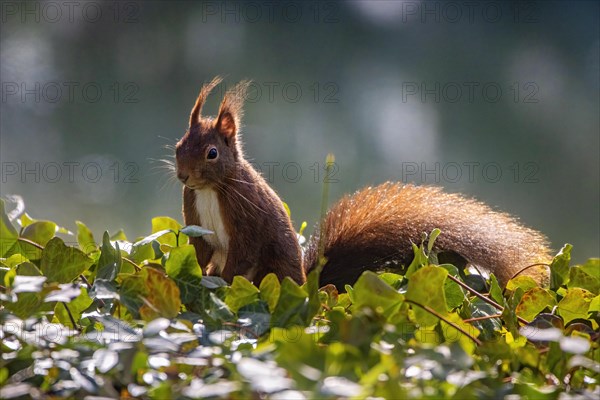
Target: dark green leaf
<point>291,306</point>
<point>109,263</point>
<point>183,268</point>
<point>372,292</point>
<point>61,263</point>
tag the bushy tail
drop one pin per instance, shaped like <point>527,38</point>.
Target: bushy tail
<point>373,229</point>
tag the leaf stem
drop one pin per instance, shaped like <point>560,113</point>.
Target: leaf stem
<point>89,285</point>
<point>482,297</point>
<point>440,316</point>
<point>31,242</point>
<point>137,267</point>
<point>75,326</point>
<point>329,161</point>
<point>483,318</point>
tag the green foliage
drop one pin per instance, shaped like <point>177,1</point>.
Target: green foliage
<point>121,319</point>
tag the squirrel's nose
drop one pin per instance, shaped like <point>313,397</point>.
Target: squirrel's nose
<point>182,177</point>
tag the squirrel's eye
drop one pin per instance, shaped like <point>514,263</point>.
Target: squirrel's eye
<point>212,154</point>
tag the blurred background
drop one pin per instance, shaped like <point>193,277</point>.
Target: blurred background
<point>497,100</point>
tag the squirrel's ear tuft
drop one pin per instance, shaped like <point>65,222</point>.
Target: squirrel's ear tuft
<point>231,111</point>
<point>227,125</point>
<point>195,116</point>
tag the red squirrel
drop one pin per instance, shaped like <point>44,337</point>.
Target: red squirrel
<point>370,230</point>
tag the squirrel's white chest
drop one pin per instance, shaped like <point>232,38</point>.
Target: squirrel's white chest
<point>209,211</point>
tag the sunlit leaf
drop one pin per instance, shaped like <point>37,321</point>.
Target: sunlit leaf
<point>372,292</point>
<point>162,297</point>
<point>241,293</point>
<point>183,268</point>
<point>61,263</point>
<point>559,268</point>
<point>270,289</point>
<point>575,304</point>
<point>535,301</point>
<point>85,238</point>
<point>8,233</point>
<point>426,287</point>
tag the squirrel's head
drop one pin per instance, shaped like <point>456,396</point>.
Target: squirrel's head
<point>209,151</point>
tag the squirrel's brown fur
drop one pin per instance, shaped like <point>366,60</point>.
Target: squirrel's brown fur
<point>259,237</point>
<point>372,229</point>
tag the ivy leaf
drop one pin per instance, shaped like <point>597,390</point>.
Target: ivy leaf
<point>25,219</point>
<point>291,305</point>
<point>419,260</point>
<point>595,304</point>
<point>392,279</point>
<point>109,263</point>
<point>426,287</point>
<point>103,289</point>
<point>167,223</point>
<point>27,305</point>
<point>8,233</point>
<point>270,289</point>
<point>454,293</point>
<point>182,266</point>
<point>312,287</point>
<point>218,310</point>
<point>522,281</point>
<point>76,306</point>
<point>533,302</point>
<point>559,268</point>
<point>495,290</point>
<point>241,293</point>
<point>85,238</point>
<point>592,267</point>
<point>162,296</point>
<point>61,263</point>
<point>119,235</point>
<point>213,282</point>
<point>374,293</point>
<point>575,304</point>
<point>432,236</point>
<point>132,292</point>
<point>255,316</point>
<point>39,232</point>
<point>195,231</point>
<point>151,238</point>
<point>451,334</point>
<point>586,276</point>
